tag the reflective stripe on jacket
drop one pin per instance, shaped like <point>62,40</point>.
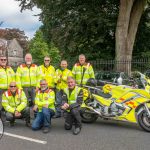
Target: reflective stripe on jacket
<point>62,75</point>
<point>26,76</point>
<point>72,97</point>
<point>7,75</point>
<point>47,73</point>
<point>45,98</point>
<point>82,73</point>
<point>12,103</point>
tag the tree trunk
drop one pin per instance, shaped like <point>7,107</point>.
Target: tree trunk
<point>130,13</point>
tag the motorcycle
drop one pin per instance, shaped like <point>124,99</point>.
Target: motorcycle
<point>117,103</point>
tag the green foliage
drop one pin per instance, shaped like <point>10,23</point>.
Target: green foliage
<point>86,26</point>
<point>39,48</point>
<point>79,26</point>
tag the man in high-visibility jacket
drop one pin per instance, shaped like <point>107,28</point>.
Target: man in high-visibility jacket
<point>44,104</point>
<point>82,71</point>
<point>26,78</point>
<point>72,100</point>
<point>7,75</point>
<point>14,102</point>
<point>61,83</point>
<point>47,71</point>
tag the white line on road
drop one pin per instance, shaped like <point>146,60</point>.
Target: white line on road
<point>25,138</point>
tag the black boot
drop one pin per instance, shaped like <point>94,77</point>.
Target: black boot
<point>28,124</point>
<point>57,115</point>
<point>12,123</point>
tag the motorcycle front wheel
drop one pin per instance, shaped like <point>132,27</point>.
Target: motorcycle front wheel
<point>87,116</point>
<point>144,120</point>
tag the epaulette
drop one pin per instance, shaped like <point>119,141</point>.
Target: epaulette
<point>8,93</point>
<point>23,65</point>
<point>77,64</point>
<point>48,90</point>
<point>87,64</point>
<point>19,91</point>
<point>6,67</point>
<point>33,65</point>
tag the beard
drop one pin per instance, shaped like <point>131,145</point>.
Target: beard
<point>28,62</point>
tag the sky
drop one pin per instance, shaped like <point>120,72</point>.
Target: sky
<point>12,17</point>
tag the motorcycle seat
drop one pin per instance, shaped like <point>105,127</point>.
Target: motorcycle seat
<point>102,94</point>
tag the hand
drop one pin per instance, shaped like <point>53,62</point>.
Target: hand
<point>37,88</point>
<point>35,108</point>
<point>65,106</point>
<point>46,106</point>
<point>17,114</point>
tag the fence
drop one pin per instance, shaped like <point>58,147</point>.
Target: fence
<point>141,64</point>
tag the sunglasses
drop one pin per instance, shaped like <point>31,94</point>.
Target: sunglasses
<point>12,86</point>
<point>42,84</point>
<point>3,59</point>
<point>46,60</point>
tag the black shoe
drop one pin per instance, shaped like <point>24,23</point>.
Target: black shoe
<point>46,129</point>
<point>76,130</point>
<point>12,123</point>
<point>56,116</point>
<point>68,127</point>
<point>28,124</point>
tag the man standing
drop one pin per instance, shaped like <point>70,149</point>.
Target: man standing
<point>14,102</point>
<point>82,71</point>
<point>47,72</point>
<point>26,78</point>
<point>72,100</point>
<point>7,75</point>
<point>44,104</point>
<point>61,83</point>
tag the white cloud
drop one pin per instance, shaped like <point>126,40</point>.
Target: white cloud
<point>13,18</point>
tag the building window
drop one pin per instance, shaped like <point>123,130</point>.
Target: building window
<point>15,64</point>
<point>14,52</point>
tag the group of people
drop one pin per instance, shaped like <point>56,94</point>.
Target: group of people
<point>47,91</point>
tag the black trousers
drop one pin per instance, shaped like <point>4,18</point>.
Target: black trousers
<point>30,94</point>
<point>24,114</point>
<point>72,118</point>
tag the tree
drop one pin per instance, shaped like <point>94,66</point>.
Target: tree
<point>130,13</point>
<point>79,27</point>
<point>39,48</point>
<point>91,26</point>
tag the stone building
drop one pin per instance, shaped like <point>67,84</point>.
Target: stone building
<point>13,51</point>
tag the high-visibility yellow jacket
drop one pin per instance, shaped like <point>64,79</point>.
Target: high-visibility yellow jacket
<point>62,75</point>
<point>72,97</point>
<point>47,73</point>
<point>7,75</point>
<point>82,73</point>
<point>26,76</point>
<point>45,98</point>
<point>14,103</point>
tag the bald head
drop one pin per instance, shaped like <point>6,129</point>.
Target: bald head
<point>82,59</point>
<point>28,59</point>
